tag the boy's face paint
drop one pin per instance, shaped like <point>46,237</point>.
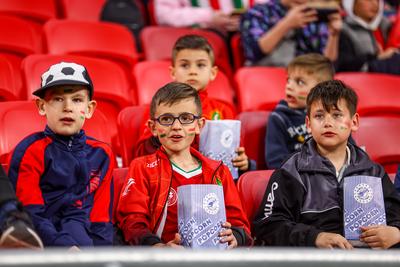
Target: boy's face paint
<point>64,107</point>
<point>176,138</point>
<point>298,85</point>
<point>332,129</point>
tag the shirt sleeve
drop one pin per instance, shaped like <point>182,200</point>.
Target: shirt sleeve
<point>276,147</point>
<point>101,213</point>
<point>275,223</point>
<point>26,168</point>
<point>253,25</point>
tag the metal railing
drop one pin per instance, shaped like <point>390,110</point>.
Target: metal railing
<point>271,257</point>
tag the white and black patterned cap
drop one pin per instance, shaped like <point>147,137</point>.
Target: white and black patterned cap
<point>65,73</point>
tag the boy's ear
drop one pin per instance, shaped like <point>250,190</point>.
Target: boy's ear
<point>201,122</point>
<point>308,125</point>
<point>90,109</point>
<point>355,122</point>
<point>152,126</point>
<point>40,105</point>
<point>172,72</point>
<point>214,72</point>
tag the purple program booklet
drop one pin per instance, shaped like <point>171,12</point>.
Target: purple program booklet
<point>363,205</point>
<point>219,139</point>
<point>201,213</point>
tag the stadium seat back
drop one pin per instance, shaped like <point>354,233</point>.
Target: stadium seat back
<point>253,131</point>
<point>87,10</point>
<point>158,42</point>
<point>95,39</point>
<point>378,135</point>
<point>129,124</point>
<point>251,187</point>
<point>260,88</point>
<point>119,175</point>
<point>377,93</point>
<point>8,91</point>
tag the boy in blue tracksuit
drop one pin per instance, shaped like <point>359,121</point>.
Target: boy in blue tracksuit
<point>61,176</point>
<point>286,128</point>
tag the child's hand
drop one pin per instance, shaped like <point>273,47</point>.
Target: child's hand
<point>330,240</point>
<point>380,236</point>
<point>387,53</point>
<point>227,236</point>
<point>175,243</point>
<point>241,161</point>
<point>299,16</point>
<point>335,23</point>
<point>74,248</point>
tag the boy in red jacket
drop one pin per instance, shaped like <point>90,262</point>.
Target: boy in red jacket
<point>147,210</point>
<point>193,63</point>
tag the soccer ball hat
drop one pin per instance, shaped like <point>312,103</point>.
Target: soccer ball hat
<point>65,73</point>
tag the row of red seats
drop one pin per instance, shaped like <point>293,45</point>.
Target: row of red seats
<point>377,134</point>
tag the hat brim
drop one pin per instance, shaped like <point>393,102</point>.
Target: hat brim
<point>41,91</point>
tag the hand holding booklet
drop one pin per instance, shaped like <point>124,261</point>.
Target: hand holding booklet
<point>201,213</point>
<point>219,140</point>
<point>363,205</point>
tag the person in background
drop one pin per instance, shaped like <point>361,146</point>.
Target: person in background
<point>359,50</point>
<point>276,32</point>
<point>220,15</point>
<point>286,128</point>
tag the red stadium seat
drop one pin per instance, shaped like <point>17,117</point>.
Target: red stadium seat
<point>95,39</point>
<point>111,87</point>
<point>7,85</point>
<point>379,135</point>
<point>377,93</point>
<point>39,11</point>
<point>158,42</point>
<point>260,88</point>
<point>253,130</point>
<point>148,83</point>
<point>21,118</point>
<point>394,35</point>
<point>237,51</point>
<point>87,10</point>
<point>17,40</point>
<point>119,175</point>
<point>251,187</point>
<point>129,124</point>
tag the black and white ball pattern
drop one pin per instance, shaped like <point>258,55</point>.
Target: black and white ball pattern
<point>65,71</point>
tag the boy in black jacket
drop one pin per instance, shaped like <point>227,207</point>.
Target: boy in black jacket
<point>303,203</point>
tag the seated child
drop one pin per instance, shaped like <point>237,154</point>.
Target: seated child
<point>275,32</point>
<point>16,229</point>
<point>147,209</point>
<point>61,176</point>
<point>359,50</point>
<point>303,202</point>
<point>193,63</point>
<point>286,128</point>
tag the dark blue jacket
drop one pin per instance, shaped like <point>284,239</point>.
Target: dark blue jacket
<point>286,132</point>
<point>304,198</point>
<point>66,185</point>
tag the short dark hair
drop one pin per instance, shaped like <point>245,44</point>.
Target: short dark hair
<point>330,92</point>
<point>172,93</point>
<point>314,64</point>
<point>195,42</point>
